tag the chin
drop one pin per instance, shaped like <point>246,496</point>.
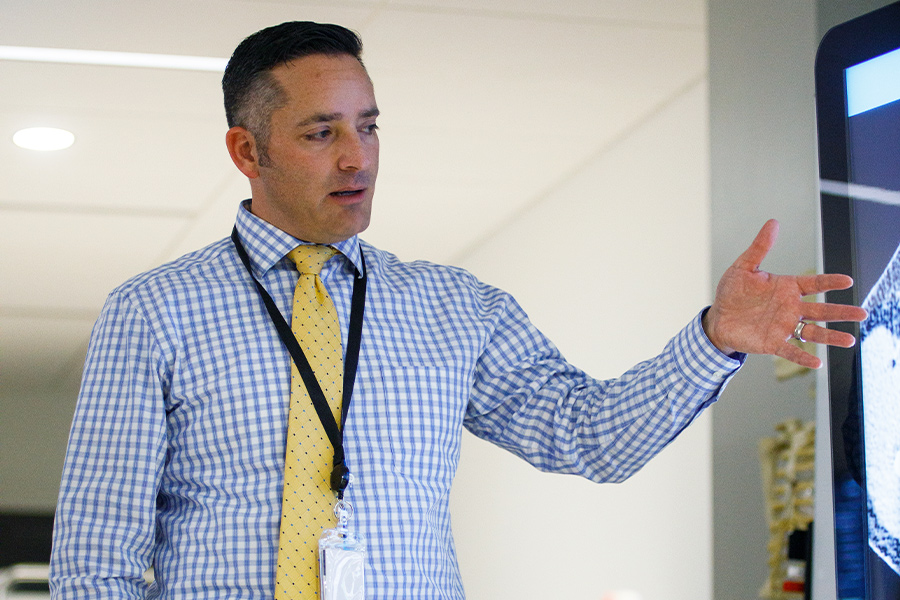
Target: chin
<point>358,224</point>
<point>339,236</point>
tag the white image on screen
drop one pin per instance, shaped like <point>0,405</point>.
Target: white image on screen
<point>880,357</point>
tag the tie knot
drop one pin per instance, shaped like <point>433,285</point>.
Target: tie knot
<point>311,258</point>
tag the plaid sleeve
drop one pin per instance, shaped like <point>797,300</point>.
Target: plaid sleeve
<point>529,400</point>
<point>105,524</point>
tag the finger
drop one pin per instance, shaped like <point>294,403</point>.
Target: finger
<point>826,312</point>
<point>796,355</point>
<point>762,243</point>
<point>829,337</point>
<point>816,284</point>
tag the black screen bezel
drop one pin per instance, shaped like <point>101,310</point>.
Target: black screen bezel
<point>844,46</point>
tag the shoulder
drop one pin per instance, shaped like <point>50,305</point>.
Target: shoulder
<point>183,277</point>
<point>429,282</point>
<point>385,266</point>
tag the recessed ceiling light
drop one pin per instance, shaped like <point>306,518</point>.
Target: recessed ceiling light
<point>43,139</point>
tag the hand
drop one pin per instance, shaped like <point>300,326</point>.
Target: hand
<point>756,312</point>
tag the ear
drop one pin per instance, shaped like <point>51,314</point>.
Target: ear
<point>242,148</point>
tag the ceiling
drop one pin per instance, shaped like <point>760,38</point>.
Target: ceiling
<point>488,106</point>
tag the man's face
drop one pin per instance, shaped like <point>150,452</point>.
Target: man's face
<point>318,177</point>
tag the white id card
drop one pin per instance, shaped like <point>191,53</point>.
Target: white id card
<point>342,564</point>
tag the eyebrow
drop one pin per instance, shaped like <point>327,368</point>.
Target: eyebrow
<point>328,117</point>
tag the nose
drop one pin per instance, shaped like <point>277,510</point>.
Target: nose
<point>356,152</point>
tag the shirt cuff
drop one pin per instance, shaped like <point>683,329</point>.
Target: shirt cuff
<point>699,361</point>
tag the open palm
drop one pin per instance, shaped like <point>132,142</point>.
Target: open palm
<point>755,312</point>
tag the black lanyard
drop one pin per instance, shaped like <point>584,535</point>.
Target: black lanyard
<point>340,474</point>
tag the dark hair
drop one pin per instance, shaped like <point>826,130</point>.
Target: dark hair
<point>251,93</point>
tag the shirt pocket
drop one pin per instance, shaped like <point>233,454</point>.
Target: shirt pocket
<point>424,409</point>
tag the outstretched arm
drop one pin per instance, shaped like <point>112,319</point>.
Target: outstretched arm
<point>756,312</point>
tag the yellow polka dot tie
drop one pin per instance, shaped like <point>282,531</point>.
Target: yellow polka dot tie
<point>308,502</point>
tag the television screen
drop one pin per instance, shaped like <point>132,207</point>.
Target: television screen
<point>858,105</point>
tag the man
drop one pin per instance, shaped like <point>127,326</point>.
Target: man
<point>177,453</point>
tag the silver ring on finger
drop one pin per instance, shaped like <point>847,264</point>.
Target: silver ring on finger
<point>798,331</point>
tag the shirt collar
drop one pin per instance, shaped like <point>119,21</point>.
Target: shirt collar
<point>267,245</point>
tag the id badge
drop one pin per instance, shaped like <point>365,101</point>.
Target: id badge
<point>342,560</point>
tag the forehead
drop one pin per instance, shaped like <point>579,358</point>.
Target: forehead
<point>325,82</point>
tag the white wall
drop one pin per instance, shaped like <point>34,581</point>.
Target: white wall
<point>625,241</point>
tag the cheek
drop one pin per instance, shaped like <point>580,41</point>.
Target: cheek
<point>374,159</point>
<point>301,179</point>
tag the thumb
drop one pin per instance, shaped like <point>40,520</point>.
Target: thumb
<point>759,248</point>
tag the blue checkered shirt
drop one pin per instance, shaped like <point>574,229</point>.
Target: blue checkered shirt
<point>176,454</point>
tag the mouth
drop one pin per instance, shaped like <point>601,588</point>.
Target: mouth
<point>348,194</point>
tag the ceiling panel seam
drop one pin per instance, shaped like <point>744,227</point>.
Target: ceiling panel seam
<point>184,231</point>
<point>376,12</point>
<point>605,148</point>
<point>544,17</point>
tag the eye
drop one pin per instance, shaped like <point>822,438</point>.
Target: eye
<point>372,128</point>
<point>322,134</point>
